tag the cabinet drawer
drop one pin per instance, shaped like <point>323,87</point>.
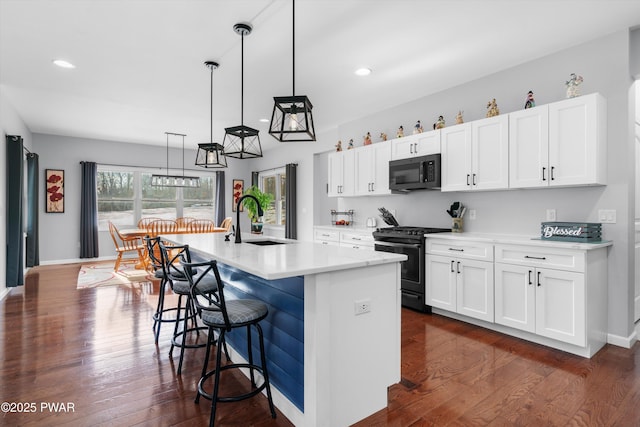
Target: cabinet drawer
<point>460,249</point>
<point>562,259</point>
<point>356,246</point>
<point>327,235</point>
<point>356,238</point>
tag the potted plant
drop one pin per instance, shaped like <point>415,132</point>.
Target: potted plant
<point>264,199</point>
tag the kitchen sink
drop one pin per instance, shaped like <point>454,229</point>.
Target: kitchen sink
<point>265,242</point>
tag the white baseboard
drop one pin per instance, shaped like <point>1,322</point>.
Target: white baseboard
<point>626,342</point>
<point>4,292</point>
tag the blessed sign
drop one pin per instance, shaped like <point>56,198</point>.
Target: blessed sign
<point>571,231</point>
<point>550,231</point>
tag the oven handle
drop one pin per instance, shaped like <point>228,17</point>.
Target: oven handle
<point>412,296</point>
<point>398,245</point>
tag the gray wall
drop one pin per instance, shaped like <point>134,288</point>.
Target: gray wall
<point>604,64</point>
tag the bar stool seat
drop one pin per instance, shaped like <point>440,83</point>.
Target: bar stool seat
<point>225,316</point>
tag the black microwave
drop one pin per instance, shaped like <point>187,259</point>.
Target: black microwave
<point>414,173</point>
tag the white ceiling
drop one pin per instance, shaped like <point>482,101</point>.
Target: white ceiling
<point>139,63</point>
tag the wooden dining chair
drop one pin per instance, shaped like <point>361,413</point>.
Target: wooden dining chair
<point>162,226</point>
<point>144,222</point>
<point>183,222</point>
<point>226,223</point>
<point>126,244</point>
<point>201,226</point>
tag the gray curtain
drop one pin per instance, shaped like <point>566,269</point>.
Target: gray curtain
<point>291,217</point>
<point>33,235</point>
<point>14,168</point>
<point>221,211</point>
<point>89,211</point>
<point>254,178</point>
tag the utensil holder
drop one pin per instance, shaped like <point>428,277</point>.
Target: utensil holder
<point>457,225</point>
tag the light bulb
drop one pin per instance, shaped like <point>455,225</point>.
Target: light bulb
<point>293,121</point>
<point>210,158</point>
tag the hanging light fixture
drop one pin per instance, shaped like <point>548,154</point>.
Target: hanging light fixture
<point>242,142</point>
<point>211,155</point>
<point>291,120</point>
<point>167,180</point>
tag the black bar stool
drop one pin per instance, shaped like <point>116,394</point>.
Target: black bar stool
<point>227,315</point>
<point>172,254</point>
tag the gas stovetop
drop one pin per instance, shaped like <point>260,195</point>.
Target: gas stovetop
<point>401,231</point>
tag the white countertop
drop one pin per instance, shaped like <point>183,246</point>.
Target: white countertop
<point>514,239</point>
<point>351,228</point>
<point>295,258</point>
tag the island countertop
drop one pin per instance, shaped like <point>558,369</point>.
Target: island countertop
<point>294,258</point>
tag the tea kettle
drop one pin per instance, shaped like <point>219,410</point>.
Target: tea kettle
<point>371,222</point>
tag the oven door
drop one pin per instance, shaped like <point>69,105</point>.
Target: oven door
<point>410,270</point>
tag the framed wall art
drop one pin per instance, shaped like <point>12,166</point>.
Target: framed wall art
<point>54,182</point>
<point>237,190</point>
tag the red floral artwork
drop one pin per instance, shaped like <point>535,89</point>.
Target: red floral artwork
<point>238,188</point>
<point>55,190</point>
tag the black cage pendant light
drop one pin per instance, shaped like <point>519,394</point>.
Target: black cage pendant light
<point>158,180</point>
<point>211,154</point>
<point>242,142</point>
<point>291,120</point>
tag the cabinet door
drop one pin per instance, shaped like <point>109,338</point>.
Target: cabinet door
<point>335,174</point>
<point>348,173</point>
<point>574,155</point>
<point>364,164</point>
<point>474,297</point>
<point>490,153</point>
<point>440,282</point>
<point>529,148</point>
<point>403,148</point>
<point>456,157</point>
<point>560,306</point>
<point>515,292</point>
<point>382,156</point>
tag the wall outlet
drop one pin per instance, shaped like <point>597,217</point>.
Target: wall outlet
<point>472,214</point>
<point>607,216</point>
<point>551,214</point>
<point>362,306</point>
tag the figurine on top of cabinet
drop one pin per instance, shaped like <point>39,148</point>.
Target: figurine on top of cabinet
<point>572,86</point>
<point>492,108</point>
<point>383,136</point>
<point>350,146</point>
<point>367,139</point>
<point>400,133</point>
<point>439,124</point>
<point>418,128</point>
<point>459,119</point>
<point>530,103</point>
<point>339,146</point>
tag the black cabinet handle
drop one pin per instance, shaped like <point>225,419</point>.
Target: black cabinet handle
<point>458,267</point>
<point>552,168</point>
<point>530,282</point>
<point>474,179</point>
<point>468,179</point>
<point>456,249</point>
<point>538,278</point>
<point>452,266</point>
<point>542,258</point>
<point>543,171</point>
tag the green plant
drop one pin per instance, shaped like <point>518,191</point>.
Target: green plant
<point>249,204</point>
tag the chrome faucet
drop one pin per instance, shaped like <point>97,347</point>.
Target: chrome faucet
<point>260,213</point>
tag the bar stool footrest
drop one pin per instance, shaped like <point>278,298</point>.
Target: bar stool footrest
<point>238,398</point>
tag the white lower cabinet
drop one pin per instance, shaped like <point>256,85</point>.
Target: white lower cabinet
<point>552,293</point>
<point>458,282</point>
<point>326,236</point>
<point>546,302</point>
<point>355,239</point>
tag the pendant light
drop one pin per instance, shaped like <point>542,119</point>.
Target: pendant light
<point>291,119</point>
<point>175,180</point>
<point>242,142</point>
<point>211,155</point>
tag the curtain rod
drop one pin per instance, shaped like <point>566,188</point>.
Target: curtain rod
<point>146,167</point>
<point>279,167</point>
<point>26,149</point>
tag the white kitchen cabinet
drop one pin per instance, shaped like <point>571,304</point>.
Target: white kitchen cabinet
<point>559,144</point>
<point>420,144</point>
<point>544,291</point>
<point>357,239</point>
<point>475,155</point>
<point>372,169</point>
<point>341,173</point>
<point>326,236</point>
<point>462,280</point>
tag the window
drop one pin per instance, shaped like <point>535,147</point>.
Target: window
<point>125,196</point>
<point>274,182</point>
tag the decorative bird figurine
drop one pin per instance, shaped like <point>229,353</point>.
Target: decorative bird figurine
<point>400,133</point>
<point>530,103</point>
<point>339,146</point>
<point>417,128</point>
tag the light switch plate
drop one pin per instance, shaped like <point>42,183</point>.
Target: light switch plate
<point>607,216</point>
<point>551,214</point>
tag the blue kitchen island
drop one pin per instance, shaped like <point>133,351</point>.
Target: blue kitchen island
<point>333,332</point>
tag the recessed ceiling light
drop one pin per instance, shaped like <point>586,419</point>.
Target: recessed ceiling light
<point>63,64</point>
<point>265,120</point>
<point>363,71</point>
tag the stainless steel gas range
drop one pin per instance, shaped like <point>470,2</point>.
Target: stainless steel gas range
<point>409,241</point>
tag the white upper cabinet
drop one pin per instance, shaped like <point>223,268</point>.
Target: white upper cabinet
<point>560,144</point>
<point>372,169</point>
<point>341,174</point>
<point>420,144</point>
<point>475,156</point>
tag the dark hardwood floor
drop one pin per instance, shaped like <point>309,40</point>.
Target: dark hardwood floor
<point>93,351</point>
